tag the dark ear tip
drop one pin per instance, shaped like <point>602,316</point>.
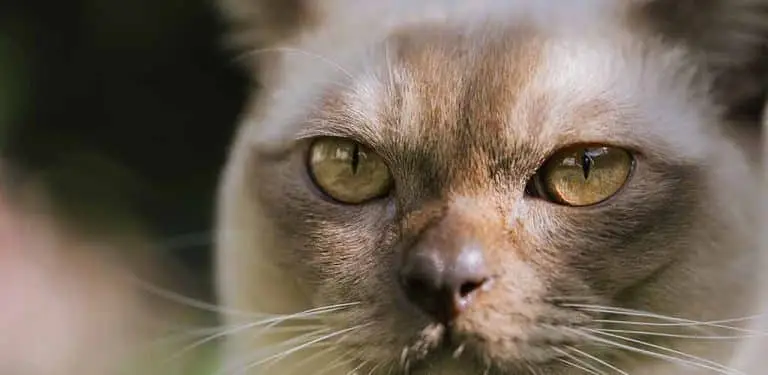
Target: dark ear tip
<point>744,90</point>
<point>264,23</point>
<point>731,38</point>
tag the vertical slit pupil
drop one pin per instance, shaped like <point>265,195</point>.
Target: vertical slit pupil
<point>587,162</point>
<point>355,158</point>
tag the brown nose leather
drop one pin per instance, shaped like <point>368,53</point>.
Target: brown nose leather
<point>442,277</point>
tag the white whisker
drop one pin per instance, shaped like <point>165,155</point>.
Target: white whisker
<point>530,368</point>
<point>290,343</point>
<point>558,299</point>
<point>598,360</point>
<point>303,52</point>
<point>681,336</point>
<point>188,301</point>
<point>267,350</point>
<point>374,368</point>
<point>205,332</point>
<point>644,314</point>
<point>268,323</point>
<point>339,361</point>
<point>577,366</point>
<point>659,347</point>
<point>684,323</point>
<point>358,367</point>
<point>314,356</point>
<point>692,361</point>
<point>279,356</point>
<point>580,361</point>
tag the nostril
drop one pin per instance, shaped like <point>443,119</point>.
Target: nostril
<point>470,287</point>
<point>416,285</point>
<point>442,281</point>
<point>419,287</point>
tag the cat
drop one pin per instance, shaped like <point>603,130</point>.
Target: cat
<point>496,187</point>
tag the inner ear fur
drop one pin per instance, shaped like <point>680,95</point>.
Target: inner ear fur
<point>730,37</point>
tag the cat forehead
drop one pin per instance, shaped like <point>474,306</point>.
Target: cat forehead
<point>518,88</point>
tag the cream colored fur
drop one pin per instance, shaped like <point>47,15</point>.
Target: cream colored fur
<point>248,280</point>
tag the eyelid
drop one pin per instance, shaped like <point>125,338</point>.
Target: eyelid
<point>351,128</point>
<point>310,134</point>
<point>283,148</point>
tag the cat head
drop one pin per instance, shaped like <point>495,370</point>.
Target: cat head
<point>470,176</point>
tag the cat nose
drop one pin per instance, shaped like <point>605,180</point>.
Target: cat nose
<point>443,282</point>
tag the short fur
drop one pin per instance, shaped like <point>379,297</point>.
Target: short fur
<point>464,100</point>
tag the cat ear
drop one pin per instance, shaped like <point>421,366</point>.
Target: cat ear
<point>259,24</point>
<point>730,38</point>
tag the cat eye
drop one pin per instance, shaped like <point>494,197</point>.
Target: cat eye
<point>583,176</point>
<point>348,171</point>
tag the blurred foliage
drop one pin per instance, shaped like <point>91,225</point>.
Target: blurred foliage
<point>13,77</point>
<point>122,112</point>
<point>123,109</point>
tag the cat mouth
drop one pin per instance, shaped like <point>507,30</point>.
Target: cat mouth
<point>439,346</point>
<point>462,359</point>
<point>435,343</point>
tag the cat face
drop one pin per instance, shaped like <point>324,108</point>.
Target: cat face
<point>448,190</point>
<point>469,189</point>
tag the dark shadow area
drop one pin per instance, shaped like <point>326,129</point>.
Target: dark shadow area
<point>123,106</point>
